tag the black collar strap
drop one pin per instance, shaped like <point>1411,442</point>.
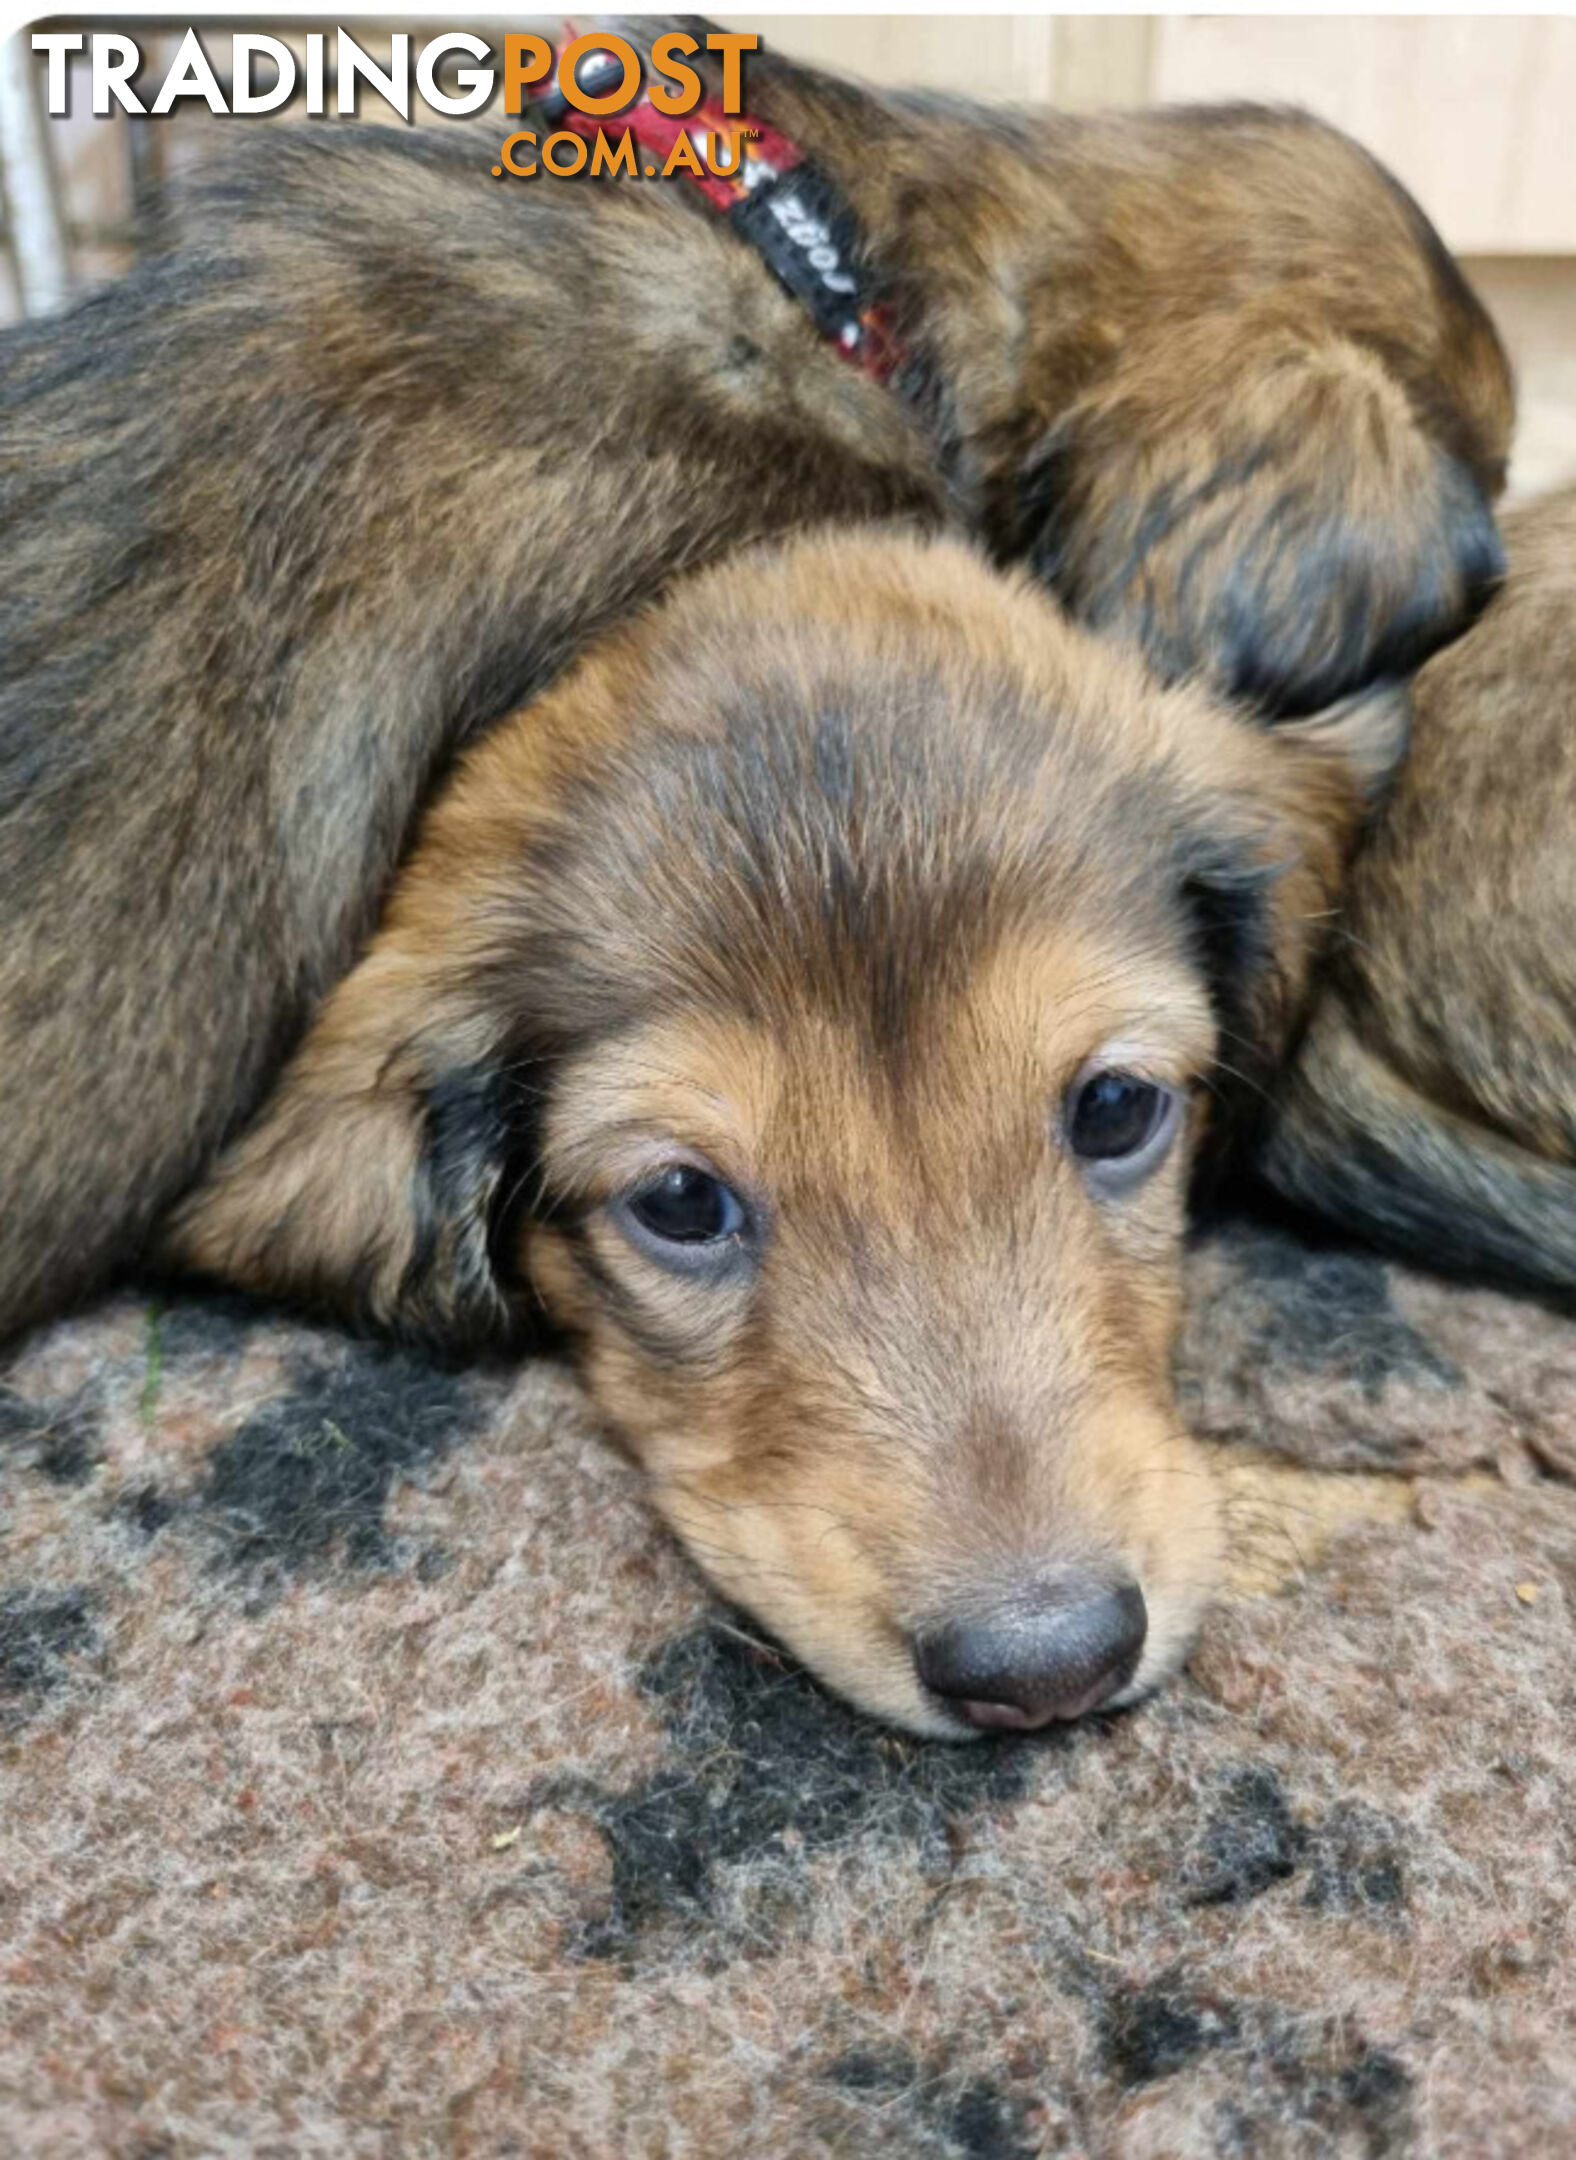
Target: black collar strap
<point>797,220</point>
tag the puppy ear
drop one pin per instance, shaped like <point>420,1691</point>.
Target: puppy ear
<point>379,1178</point>
<point>1266,860</point>
<point>1282,525</point>
<point>1368,733</point>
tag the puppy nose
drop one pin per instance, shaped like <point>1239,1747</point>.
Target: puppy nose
<point>1058,1648</point>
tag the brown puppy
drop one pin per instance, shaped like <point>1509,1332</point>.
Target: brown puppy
<point>363,453</point>
<point>814,1004</point>
<point>1433,1104</point>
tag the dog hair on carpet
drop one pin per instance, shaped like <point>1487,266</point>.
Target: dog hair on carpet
<point>377,1778</point>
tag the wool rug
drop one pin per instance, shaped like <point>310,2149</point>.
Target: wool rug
<point>377,1778</point>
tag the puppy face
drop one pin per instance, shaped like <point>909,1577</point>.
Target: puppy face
<point>889,1322</point>
<point>816,1004</point>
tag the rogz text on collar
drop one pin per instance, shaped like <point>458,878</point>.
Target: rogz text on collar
<point>795,217</point>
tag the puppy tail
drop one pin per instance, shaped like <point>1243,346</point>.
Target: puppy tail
<point>1354,1143</point>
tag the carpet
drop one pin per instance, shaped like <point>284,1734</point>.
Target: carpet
<point>377,1778</point>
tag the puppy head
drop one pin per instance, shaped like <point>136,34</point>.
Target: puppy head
<point>816,1003</point>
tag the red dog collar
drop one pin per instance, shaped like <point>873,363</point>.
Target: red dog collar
<point>796,219</point>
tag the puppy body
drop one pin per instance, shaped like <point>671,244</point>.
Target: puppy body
<point>1432,1105</point>
<point>833,880</point>
<point>365,453</point>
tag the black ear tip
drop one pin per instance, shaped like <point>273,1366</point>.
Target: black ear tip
<point>1380,629</point>
<point>1304,602</point>
<point>1449,595</point>
<point>473,1166</point>
<point>1480,555</point>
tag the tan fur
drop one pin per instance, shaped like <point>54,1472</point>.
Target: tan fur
<point>954,1362</point>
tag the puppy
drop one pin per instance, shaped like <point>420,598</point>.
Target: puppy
<point>1432,1107</point>
<point>813,1005</point>
<point>372,443</point>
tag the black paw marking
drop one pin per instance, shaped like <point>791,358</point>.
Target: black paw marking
<point>1350,1856</point>
<point>767,1769</point>
<point>1355,1861</point>
<point>1327,1311</point>
<point>925,2108</point>
<point>39,1631</point>
<point>1322,2081</point>
<point>1249,1841</point>
<point>309,1474</point>
<point>1147,2033</point>
<point>146,1510</point>
<point>1318,2078</point>
<point>56,1438</point>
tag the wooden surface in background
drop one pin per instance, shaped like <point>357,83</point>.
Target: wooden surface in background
<point>1476,114</point>
<point>1075,61</point>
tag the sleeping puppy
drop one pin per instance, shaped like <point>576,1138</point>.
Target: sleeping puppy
<point>814,1006</point>
<point>368,448</point>
<point>1432,1108</point>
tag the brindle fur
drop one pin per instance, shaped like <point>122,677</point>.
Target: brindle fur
<point>833,875</point>
<point>1433,1104</point>
<point>373,443</point>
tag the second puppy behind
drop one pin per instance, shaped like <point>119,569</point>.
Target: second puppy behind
<point>1432,1108</point>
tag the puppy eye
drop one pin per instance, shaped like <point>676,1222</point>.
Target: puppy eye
<point>685,1218</point>
<point>688,1207</point>
<point>1121,1125</point>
